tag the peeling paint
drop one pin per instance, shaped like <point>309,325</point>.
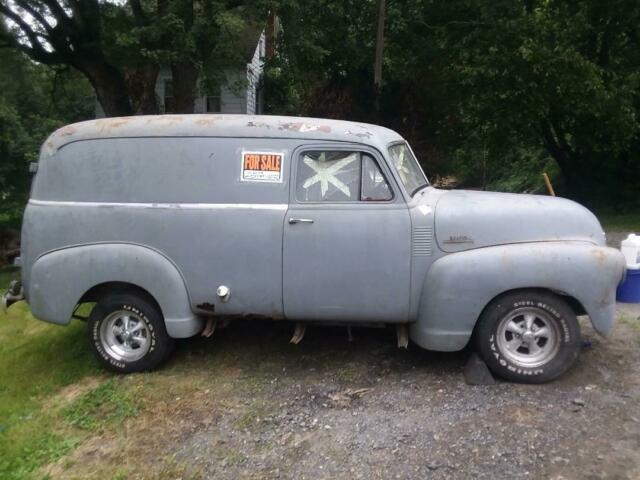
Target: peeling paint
<point>259,125</point>
<point>359,135</point>
<point>304,127</point>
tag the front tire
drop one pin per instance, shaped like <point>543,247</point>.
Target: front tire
<point>528,336</point>
<point>127,334</point>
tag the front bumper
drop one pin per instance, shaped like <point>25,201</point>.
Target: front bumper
<point>13,295</point>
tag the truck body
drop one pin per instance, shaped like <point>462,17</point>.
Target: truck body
<point>310,220</point>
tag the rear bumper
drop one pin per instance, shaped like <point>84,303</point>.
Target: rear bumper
<point>13,295</point>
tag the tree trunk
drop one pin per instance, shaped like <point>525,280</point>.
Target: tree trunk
<point>141,84</point>
<point>185,82</point>
<point>109,85</point>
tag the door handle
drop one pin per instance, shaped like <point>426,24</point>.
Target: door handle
<point>300,220</point>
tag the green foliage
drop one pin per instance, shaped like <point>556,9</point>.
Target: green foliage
<point>489,91</point>
<point>519,169</point>
<point>620,222</point>
<point>103,405</point>
<point>34,101</point>
<point>557,74</point>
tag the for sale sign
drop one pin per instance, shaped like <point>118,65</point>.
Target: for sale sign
<point>262,167</point>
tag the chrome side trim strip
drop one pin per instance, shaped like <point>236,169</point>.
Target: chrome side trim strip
<point>171,206</point>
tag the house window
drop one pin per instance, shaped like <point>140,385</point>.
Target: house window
<point>168,96</point>
<point>213,104</point>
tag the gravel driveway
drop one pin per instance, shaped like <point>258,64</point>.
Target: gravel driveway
<point>249,405</point>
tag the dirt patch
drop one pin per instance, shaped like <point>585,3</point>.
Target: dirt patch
<point>66,395</point>
<point>246,404</point>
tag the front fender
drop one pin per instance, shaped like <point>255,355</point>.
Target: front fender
<point>459,286</point>
<point>58,280</point>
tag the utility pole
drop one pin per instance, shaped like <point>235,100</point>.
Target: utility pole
<point>377,66</point>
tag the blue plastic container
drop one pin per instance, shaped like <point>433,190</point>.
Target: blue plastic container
<point>629,290</point>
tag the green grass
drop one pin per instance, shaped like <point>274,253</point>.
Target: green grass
<point>620,222</point>
<point>36,360</point>
<point>103,406</point>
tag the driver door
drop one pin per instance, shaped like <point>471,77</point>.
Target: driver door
<point>346,248</point>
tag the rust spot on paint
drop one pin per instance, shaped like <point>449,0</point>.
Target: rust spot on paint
<point>205,121</point>
<point>117,122</point>
<point>66,131</point>
<point>107,124</point>
<point>599,256</point>
<point>164,120</point>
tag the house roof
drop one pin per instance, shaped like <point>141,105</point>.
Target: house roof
<point>247,126</point>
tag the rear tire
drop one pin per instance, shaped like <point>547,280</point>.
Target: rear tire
<point>528,336</point>
<point>127,333</point>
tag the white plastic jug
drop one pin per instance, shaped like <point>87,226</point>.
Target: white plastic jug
<point>631,250</point>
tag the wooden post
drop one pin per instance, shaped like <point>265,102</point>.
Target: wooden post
<point>547,182</point>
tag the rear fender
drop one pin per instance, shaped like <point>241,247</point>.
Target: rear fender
<point>459,286</point>
<point>59,279</point>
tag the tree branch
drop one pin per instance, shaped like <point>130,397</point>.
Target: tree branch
<point>35,50</point>
<point>57,11</point>
<point>27,6</point>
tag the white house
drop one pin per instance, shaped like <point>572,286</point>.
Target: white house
<point>241,94</point>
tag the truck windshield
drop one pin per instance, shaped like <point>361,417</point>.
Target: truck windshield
<point>407,167</point>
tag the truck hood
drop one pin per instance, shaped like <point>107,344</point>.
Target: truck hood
<point>469,219</point>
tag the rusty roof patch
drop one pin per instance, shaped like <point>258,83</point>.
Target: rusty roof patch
<point>205,121</point>
<point>66,131</point>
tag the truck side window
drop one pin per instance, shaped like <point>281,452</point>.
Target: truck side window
<point>338,176</point>
<point>328,177</point>
<point>374,186</point>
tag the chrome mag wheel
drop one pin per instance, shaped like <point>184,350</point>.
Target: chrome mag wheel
<point>529,337</point>
<point>125,336</point>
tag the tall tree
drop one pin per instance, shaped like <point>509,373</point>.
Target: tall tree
<point>562,75</point>
<point>120,46</point>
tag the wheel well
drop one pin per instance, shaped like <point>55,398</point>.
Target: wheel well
<point>573,302</point>
<point>97,292</point>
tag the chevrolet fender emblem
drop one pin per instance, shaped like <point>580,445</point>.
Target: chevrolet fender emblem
<point>458,239</point>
